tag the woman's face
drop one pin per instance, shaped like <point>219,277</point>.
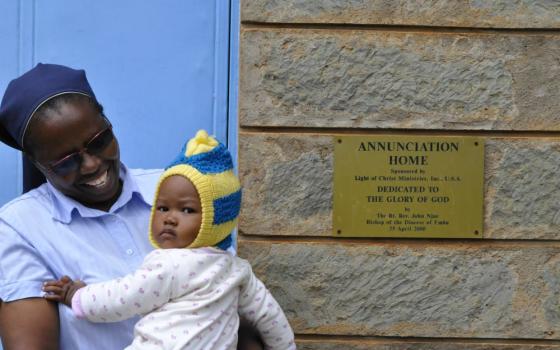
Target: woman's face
<point>95,182</point>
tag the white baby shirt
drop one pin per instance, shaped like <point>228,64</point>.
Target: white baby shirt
<point>189,299</point>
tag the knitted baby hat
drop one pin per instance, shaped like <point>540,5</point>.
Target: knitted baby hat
<point>208,165</point>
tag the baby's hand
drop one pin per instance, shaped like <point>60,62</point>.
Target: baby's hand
<point>61,290</point>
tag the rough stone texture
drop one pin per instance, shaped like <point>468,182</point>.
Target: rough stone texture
<point>373,79</point>
<point>287,180</point>
<point>287,183</point>
<point>452,13</point>
<point>415,345</point>
<point>522,196</point>
<point>413,290</point>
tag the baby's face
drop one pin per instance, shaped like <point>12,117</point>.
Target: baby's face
<point>177,214</point>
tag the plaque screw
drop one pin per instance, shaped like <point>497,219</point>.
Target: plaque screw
<point>338,231</point>
<point>476,232</point>
<point>476,143</point>
<point>339,141</point>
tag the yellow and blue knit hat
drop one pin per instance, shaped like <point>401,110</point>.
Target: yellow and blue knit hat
<point>208,165</point>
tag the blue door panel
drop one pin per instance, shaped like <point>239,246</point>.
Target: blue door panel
<point>151,64</point>
<point>10,169</point>
<point>160,68</point>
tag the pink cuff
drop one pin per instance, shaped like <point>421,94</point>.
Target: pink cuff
<point>77,305</point>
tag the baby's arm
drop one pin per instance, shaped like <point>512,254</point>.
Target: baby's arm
<point>62,290</point>
<point>261,309</point>
<point>138,293</point>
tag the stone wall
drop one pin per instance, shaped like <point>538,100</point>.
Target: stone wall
<point>310,69</point>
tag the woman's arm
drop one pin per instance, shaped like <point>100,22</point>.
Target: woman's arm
<point>29,324</point>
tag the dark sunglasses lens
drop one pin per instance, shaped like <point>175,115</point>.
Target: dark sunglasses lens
<point>95,146</point>
<point>100,142</point>
<point>67,165</point>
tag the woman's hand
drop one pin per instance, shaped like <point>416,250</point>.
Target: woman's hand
<point>62,290</point>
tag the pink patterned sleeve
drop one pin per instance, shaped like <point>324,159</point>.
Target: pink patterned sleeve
<point>138,293</point>
<point>258,306</point>
<point>77,305</point>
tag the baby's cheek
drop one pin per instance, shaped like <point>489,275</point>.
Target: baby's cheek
<point>156,220</point>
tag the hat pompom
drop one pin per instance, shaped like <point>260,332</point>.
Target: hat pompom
<point>201,143</point>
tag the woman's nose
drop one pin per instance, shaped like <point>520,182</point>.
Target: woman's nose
<point>90,163</point>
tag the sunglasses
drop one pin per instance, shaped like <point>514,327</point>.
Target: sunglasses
<point>95,146</point>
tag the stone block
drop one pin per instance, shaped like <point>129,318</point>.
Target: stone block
<point>288,186</point>
<point>405,80</point>
<point>447,13</point>
<point>413,289</point>
<point>368,344</point>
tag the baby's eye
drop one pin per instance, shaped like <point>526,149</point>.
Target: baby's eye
<point>162,208</point>
<point>188,210</point>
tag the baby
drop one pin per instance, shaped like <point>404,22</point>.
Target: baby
<point>188,298</point>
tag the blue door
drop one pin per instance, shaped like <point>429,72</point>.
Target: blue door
<point>160,68</point>
<point>10,167</point>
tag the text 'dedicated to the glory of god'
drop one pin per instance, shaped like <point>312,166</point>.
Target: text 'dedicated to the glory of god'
<point>408,186</point>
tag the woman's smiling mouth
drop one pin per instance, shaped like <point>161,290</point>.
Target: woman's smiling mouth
<point>100,181</point>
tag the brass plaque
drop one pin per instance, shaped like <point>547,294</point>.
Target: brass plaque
<point>408,186</point>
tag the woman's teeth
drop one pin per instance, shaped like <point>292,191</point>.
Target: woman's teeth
<point>100,181</point>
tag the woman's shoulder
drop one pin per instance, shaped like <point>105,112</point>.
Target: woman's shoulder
<point>146,177</point>
<point>145,172</point>
<point>146,180</point>
<point>36,199</point>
